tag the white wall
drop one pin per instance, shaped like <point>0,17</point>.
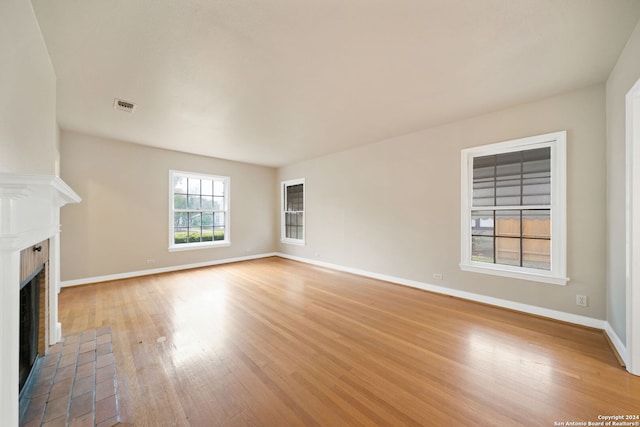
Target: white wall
<point>123,219</point>
<point>393,207</point>
<point>625,74</point>
<point>28,144</point>
<point>28,129</point>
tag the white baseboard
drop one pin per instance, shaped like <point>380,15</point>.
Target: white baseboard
<point>128,275</point>
<point>526,308</point>
<point>57,334</point>
<point>617,342</point>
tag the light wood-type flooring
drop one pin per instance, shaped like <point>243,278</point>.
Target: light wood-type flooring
<point>274,342</point>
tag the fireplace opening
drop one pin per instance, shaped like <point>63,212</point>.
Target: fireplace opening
<point>29,323</point>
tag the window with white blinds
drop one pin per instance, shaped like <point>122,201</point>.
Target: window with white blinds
<point>513,201</point>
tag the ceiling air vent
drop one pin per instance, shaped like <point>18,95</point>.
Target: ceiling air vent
<point>122,105</point>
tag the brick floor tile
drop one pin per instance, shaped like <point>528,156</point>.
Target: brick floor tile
<point>111,422</point>
<point>86,370</point>
<point>105,372</point>
<point>88,346</point>
<point>69,349</point>
<point>61,388</point>
<point>76,385</point>
<point>83,385</point>
<point>46,373</point>
<point>51,359</point>
<point>86,357</point>
<point>64,373</point>
<point>56,408</point>
<point>85,420</point>
<point>55,349</point>
<point>105,389</point>
<point>105,360</point>
<point>35,409</point>
<point>68,359</point>
<point>102,339</point>
<point>41,388</point>
<point>103,331</point>
<point>104,349</point>
<point>36,422</point>
<point>81,405</point>
<point>106,408</point>
<point>58,422</point>
<point>88,336</point>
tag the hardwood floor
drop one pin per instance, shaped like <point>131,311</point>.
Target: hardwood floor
<point>278,343</point>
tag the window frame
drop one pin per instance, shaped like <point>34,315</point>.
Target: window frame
<point>283,211</point>
<point>557,143</point>
<point>199,245</point>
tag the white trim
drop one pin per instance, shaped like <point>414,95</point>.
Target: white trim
<point>16,241</point>
<point>55,332</point>
<point>617,342</point>
<point>283,186</point>
<point>29,213</point>
<point>199,245</point>
<point>558,273</point>
<point>511,305</point>
<point>513,272</point>
<point>173,247</point>
<point>633,228</point>
<point>294,241</point>
<point>140,273</point>
<point>41,186</point>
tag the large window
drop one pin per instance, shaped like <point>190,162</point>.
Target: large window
<point>514,208</point>
<point>199,210</point>
<point>293,211</point>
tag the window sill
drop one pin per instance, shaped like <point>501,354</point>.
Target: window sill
<point>195,246</point>
<point>293,242</point>
<point>524,274</point>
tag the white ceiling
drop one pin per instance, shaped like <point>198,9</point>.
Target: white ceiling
<point>277,81</point>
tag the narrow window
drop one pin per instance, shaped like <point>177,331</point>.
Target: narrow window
<point>293,196</point>
<point>514,208</point>
<point>199,210</point>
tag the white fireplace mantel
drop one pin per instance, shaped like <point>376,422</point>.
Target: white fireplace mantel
<point>29,205</point>
<point>29,213</point>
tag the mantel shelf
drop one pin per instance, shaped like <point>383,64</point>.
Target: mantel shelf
<point>16,186</point>
<point>29,208</point>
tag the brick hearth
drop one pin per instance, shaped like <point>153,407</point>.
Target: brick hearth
<point>76,384</point>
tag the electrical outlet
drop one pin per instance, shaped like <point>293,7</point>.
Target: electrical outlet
<point>151,261</point>
<point>581,300</point>
<point>437,276</point>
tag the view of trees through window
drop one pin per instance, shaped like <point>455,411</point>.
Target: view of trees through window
<point>199,209</point>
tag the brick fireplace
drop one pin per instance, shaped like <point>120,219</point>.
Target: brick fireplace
<point>34,306</point>
<point>29,218</point>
